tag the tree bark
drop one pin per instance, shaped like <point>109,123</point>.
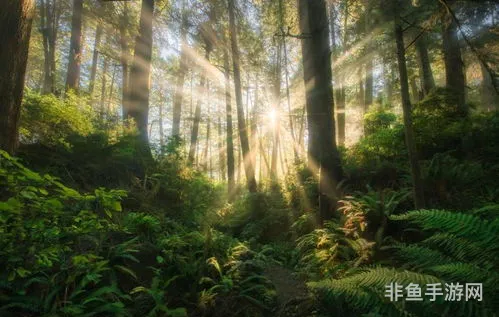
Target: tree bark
<point>454,66</point>
<point>103,90</point>
<point>197,114</point>
<point>179,87</point>
<point>254,123</point>
<point>369,89</point>
<point>161,128</point>
<point>243,133</point>
<point>95,57</point>
<point>124,59</point>
<point>228,116</point>
<point>75,47</point>
<point>220,146</point>
<point>418,189</point>
<point>425,73</point>
<point>275,108</point>
<point>49,20</point>
<point>140,75</point>
<point>16,18</point>
<point>323,156</point>
<point>489,96</point>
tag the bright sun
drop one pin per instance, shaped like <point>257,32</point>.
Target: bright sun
<point>272,116</point>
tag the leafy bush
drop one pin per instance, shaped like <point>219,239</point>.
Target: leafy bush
<point>49,246</point>
<point>261,217</point>
<point>50,120</point>
<point>378,119</point>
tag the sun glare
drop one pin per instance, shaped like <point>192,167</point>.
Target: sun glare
<point>271,117</point>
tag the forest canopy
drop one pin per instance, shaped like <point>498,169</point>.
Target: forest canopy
<point>249,158</point>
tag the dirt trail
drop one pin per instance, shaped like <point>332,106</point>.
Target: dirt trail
<point>292,294</point>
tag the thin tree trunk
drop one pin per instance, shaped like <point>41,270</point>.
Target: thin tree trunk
<point>228,116</point>
<point>179,87</point>
<point>243,134</point>
<point>140,75</point>
<point>203,84</point>
<point>361,94</point>
<point>95,57</point>
<point>341,105</point>
<point>49,17</point>
<point>124,59</point>
<point>16,18</point>
<point>254,123</point>
<point>103,90</point>
<point>220,146</point>
<point>276,106</point>
<point>454,66</point>
<point>161,128</point>
<point>323,154</point>
<point>206,158</point>
<point>111,91</point>
<point>288,99</point>
<point>369,89</point>
<point>75,48</point>
<point>425,73</point>
<point>418,190</point>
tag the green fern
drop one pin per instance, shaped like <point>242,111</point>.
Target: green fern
<point>484,232</point>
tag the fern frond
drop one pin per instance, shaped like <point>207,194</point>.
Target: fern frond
<point>462,225</point>
<point>461,249</point>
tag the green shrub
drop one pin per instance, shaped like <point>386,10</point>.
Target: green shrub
<point>50,120</point>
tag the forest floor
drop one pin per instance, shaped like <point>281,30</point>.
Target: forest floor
<point>292,294</point>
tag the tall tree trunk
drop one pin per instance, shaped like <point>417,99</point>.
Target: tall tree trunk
<point>220,146</point>
<point>161,128</point>
<point>75,47</point>
<point>341,105</point>
<point>179,86</point>
<point>361,93</point>
<point>49,20</point>
<point>95,57</point>
<point>288,99</point>
<point>276,106</point>
<point>454,66</point>
<point>124,59</point>
<point>425,73</point>
<point>323,156</point>
<point>103,90</point>
<point>16,18</point>
<point>254,123</point>
<point>197,113</point>
<point>369,89</point>
<point>490,98</point>
<point>140,75</point>
<point>243,133</point>
<point>230,136</point>
<point>416,95</point>
<point>339,89</point>
<point>388,79</point>
<point>418,189</point>
<point>111,91</point>
<point>206,158</point>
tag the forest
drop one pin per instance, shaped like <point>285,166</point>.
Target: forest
<point>290,158</point>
